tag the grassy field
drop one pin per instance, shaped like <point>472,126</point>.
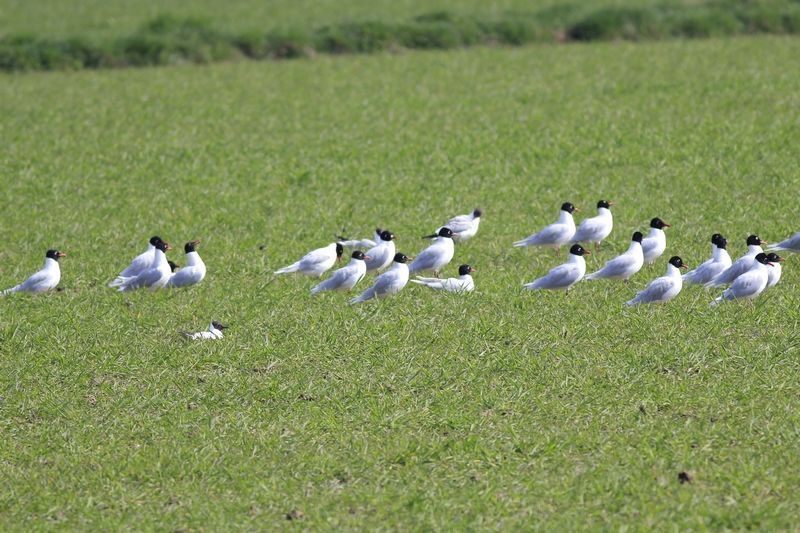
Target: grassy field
<point>111,18</point>
<point>501,409</point>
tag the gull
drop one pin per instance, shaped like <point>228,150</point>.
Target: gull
<point>390,282</point>
<point>749,284</point>
<point>774,269</point>
<point>214,332</point>
<point>154,277</point>
<point>556,234</point>
<point>45,279</point>
<point>437,255</point>
<point>352,244</point>
<point>346,277</point>
<point>625,265</point>
<point>720,261</point>
<point>464,227</point>
<point>380,255</point>
<point>792,244</point>
<point>597,228</point>
<point>563,276</point>
<point>140,263</point>
<point>662,289</point>
<point>741,265</point>
<point>193,272</point>
<point>463,283</point>
<point>316,262</point>
<point>656,241</point>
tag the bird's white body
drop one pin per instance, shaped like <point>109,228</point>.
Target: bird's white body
<point>555,235</point>
<point>561,277</point>
<point>463,283</point>
<point>654,245</point>
<point>747,285</point>
<point>661,289</point>
<point>191,274</point>
<point>354,244</point>
<point>595,229</point>
<point>774,271</point>
<point>435,257</point>
<point>140,263</point>
<point>211,333</point>
<point>315,263</point>
<point>343,279</point>
<point>153,278</point>
<point>623,266</point>
<point>719,262</point>
<point>380,255</point>
<point>792,244</point>
<point>464,227</point>
<point>739,267</point>
<point>390,282</point>
<point>42,281</point>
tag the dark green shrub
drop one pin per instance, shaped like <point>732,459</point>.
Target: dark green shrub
<point>362,37</point>
<point>618,23</point>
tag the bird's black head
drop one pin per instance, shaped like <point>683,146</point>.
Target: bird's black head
<point>155,239</point>
<point>722,243</point>
<point>218,326</point>
<point>163,246</point>
<point>463,270</point>
<point>55,255</point>
<point>774,258</point>
<point>762,258</point>
<point>637,236</point>
<point>387,235</point>
<point>754,240</point>
<point>716,238</point>
<point>658,223</point>
<point>400,258</point>
<point>190,246</point>
<point>579,250</point>
<point>358,254</point>
<point>173,266</point>
<point>446,232</point>
<point>676,261</point>
<point>568,207</point>
<point>339,250</point>
<point>477,213</point>
<point>604,203</point>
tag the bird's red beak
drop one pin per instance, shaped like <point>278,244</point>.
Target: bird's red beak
<point>367,257</point>
<point>471,269</point>
<point>61,254</point>
<point>169,246</point>
<point>684,266</point>
<point>575,209</point>
<point>667,225</point>
<point>587,252</point>
<point>612,203</point>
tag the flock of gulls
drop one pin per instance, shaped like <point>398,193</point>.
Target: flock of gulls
<point>745,278</point>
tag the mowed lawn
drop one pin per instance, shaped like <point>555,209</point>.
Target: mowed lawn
<point>499,409</point>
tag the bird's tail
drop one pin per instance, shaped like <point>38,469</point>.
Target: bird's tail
<point>9,291</point>
<point>523,242</point>
<point>294,267</point>
<point>591,276</point>
<point>363,297</point>
<point>316,289</point>
<point>532,286</point>
<point>718,300</point>
<point>633,302</point>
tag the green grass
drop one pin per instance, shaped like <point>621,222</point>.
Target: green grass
<point>498,410</point>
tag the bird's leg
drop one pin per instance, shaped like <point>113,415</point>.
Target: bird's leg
<point>436,273</point>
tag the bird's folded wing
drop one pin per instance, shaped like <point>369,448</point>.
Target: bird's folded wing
<point>560,276</point>
<point>459,223</point>
<point>656,290</point>
<point>588,228</point>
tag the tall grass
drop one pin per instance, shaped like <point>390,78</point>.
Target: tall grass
<point>168,40</point>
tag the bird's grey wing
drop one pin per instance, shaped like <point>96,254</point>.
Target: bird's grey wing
<point>561,276</point>
<point>746,285</point>
<point>619,264</point>
<point>739,267</point>
<point>320,255</point>
<point>459,223</point>
<point>656,290</point>
<point>587,229</point>
<point>385,282</point>
<point>35,281</point>
<point>425,260</point>
<point>701,274</point>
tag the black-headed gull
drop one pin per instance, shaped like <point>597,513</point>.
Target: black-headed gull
<point>464,227</point>
<point>625,265</point>
<point>662,289</point>
<point>719,262</point>
<point>45,279</point>
<point>557,234</point>
<point>390,282</point>
<point>792,244</point>
<point>316,262</point>
<point>346,277</point>
<point>774,269</point>
<point>749,284</point>
<point>741,265</point>
<point>596,229</point>
<point>193,272</point>
<point>213,332</point>
<point>463,283</point>
<point>154,277</point>
<point>563,276</point>
<point>381,255</point>
<point>437,255</point>
<point>656,241</point>
<point>140,263</point>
